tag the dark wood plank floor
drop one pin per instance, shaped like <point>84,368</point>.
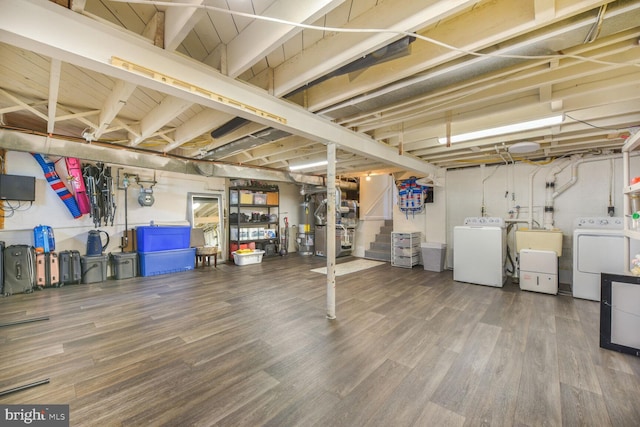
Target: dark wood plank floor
<point>250,345</point>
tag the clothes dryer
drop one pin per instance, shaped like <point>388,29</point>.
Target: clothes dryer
<point>598,247</point>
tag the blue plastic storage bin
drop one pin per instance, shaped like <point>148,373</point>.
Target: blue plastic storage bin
<point>165,262</point>
<point>163,238</point>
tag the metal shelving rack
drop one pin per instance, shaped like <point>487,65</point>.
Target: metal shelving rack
<point>405,249</point>
<point>242,207</point>
<point>632,144</point>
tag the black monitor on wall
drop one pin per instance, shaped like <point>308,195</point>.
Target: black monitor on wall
<point>18,187</point>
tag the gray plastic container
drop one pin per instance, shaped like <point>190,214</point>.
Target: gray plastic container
<point>94,268</point>
<point>125,265</point>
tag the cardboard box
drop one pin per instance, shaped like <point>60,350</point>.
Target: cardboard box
<point>246,198</point>
<point>272,198</point>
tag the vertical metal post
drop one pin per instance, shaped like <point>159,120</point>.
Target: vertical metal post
<point>626,210</point>
<point>331,231</point>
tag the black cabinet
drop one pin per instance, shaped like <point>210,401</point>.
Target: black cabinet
<point>254,218</point>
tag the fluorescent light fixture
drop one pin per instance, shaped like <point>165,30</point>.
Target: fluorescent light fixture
<point>308,165</point>
<point>503,130</point>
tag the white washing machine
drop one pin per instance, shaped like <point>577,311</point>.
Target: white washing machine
<point>479,250</point>
<point>598,247</point>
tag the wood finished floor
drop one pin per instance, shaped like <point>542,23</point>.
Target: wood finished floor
<point>250,346</point>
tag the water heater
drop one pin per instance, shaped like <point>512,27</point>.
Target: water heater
<point>306,228</point>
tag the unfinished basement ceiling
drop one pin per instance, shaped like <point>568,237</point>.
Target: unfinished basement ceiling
<point>472,65</point>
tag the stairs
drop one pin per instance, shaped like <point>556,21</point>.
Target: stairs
<point>380,249</point>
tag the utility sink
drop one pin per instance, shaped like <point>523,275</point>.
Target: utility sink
<point>541,240</point>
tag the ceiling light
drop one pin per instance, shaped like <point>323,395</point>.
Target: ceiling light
<point>308,165</point>
<point>368,178</point>
<point>524,147</point>
<point>503,130</point>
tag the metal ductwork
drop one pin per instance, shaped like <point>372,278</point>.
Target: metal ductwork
<point>392,51</point>
<point>30,143</point>
<point>315,189</point>
<point>620,15</point>
<point>246,143</point>
<point>228,127</point>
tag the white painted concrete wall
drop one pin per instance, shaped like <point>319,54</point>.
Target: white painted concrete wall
<point>169,208</point>
<point>498,188</point>
<point>504,187</point>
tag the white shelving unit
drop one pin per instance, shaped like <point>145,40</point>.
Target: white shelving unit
<point>632,144</point>
<point>405,249</point>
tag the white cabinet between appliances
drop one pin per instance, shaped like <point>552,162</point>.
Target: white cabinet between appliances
<point>539,271</point>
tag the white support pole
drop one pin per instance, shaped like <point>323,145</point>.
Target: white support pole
<point>331,231</point>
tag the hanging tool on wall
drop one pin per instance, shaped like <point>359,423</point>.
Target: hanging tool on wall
<point>99,185</point>
<point>284,238</point>
<point>108,194</point>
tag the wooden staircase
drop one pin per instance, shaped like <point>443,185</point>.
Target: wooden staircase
<point>380,249</point>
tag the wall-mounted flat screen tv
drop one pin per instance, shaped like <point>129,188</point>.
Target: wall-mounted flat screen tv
<point>18,187</point>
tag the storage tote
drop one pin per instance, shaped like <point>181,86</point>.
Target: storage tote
<point>165,262</point>
<point>125,265</point>
<point>163,238</point>
<point>254,257</point>
<point>94,268</point>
